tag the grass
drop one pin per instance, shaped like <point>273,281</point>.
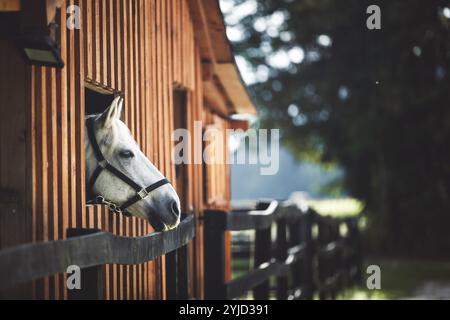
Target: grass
<point>401,279</point>
<point>240,267</point>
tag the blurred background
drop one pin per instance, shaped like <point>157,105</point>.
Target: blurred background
<point>365,124</point>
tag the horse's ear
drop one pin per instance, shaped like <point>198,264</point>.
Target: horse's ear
<point>119,108</point>
<point>112,113</point>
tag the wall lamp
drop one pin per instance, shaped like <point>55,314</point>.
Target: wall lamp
<point>39,37</point>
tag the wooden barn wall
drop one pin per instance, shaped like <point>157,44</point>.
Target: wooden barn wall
<point>217,174</point>
<point>143,49</point>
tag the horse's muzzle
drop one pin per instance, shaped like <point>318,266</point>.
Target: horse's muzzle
<point>165,218</point>
<point>156,223</point>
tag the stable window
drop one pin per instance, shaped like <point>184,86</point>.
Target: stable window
<point>97,100</point>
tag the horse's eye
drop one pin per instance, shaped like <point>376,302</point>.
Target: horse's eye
<point>126,154</point>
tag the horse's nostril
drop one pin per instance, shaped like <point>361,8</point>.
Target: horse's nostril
<point>175,209</point>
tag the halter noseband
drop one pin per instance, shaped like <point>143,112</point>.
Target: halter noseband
<point>103,164</point>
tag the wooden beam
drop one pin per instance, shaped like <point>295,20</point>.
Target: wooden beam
<point>207,71</point>
<point>203,33</point>
<point>216,98</point>
<point>217,57</point>
<point>10,5</point>
<point>217,32</point>
<point>239,125</point>
<point>229,76</point>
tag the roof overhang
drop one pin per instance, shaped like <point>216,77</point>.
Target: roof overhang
<point>225,90</point>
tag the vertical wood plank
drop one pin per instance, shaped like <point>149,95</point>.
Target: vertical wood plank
<point>87,17</point>
<point>96,38</point>
<point>71,83</point>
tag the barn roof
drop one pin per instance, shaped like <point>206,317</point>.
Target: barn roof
<point>221,75</point>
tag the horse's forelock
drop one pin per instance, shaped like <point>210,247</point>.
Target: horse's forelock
<point>107,137</point>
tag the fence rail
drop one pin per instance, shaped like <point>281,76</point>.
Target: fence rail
<point>88,248</point>
<point>304,263</point>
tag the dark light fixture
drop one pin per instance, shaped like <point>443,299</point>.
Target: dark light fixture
<point>39,35</point>
<point>41,50</point>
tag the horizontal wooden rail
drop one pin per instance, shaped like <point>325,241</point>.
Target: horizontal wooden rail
<point>253,219</point>
<point>259,219</point>
<point>29,262</point>
<point>241,285</point>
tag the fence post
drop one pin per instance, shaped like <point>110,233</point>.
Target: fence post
<point>171,275</point>
<point>214,254</point>
<point>281,256</point>
<point>183,273</point>
<point>91,278</point>
<point>177,274</point>
<point>355,239</point>
<point>294,240</point>
<point>263,248</point>
<point>336,258</point>
<point>323,269</point>
<point>307,274</point>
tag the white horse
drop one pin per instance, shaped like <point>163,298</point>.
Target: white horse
<point>118,164</point>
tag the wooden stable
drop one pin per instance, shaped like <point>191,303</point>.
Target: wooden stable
<point>172,62</point>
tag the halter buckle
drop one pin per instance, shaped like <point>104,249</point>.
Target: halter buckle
<point>143,194</point>
<point>114,208</point>
<point>103,163</point>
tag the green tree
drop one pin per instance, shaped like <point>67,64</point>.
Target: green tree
<point>376,102</point>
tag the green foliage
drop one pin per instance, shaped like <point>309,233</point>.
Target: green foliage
<point>376,102</point>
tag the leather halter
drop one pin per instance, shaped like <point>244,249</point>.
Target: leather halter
<point>103,164</point>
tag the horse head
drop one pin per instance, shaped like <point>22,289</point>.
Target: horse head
<point>118,172</point>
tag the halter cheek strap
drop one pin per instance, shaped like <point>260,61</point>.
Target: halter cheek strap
<point>103,164</point>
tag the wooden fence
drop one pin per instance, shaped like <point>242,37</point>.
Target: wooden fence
<point>90,249</point>
<point>309,256</point>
